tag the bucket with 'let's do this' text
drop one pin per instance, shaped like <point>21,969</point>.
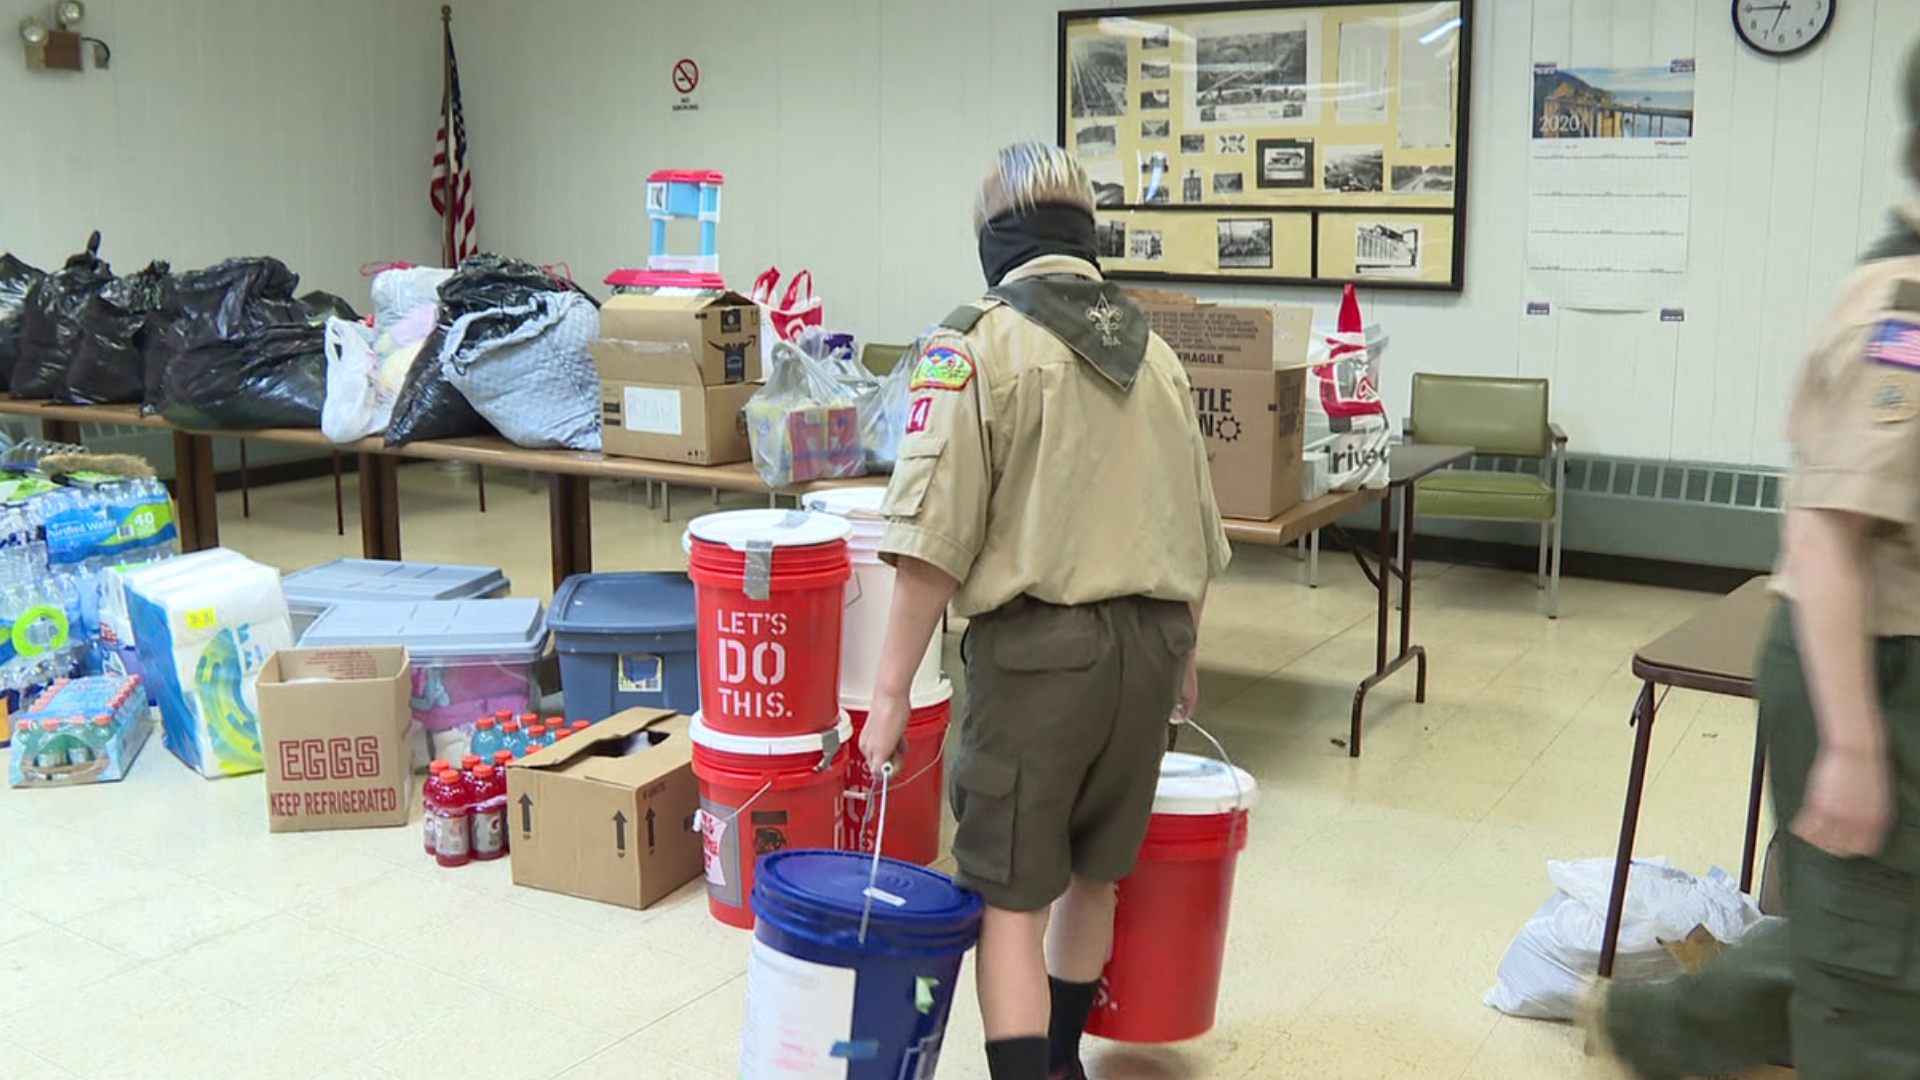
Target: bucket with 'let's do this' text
<point>770,586</point>
<point>1162,983</point>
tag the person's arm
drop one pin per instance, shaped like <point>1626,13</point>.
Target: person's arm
<point>921,593</point>
<point>1849,805</point>
<point>1190,688</point>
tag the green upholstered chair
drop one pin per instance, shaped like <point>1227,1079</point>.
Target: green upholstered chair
<point>881,359</point>
<point>1504,417</point>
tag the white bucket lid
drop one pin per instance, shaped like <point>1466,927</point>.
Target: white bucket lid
<point>922,698</point>
<point>848,502</point>
<point>826,742</point>
<point>744,529</point>
<point>1193,785</point>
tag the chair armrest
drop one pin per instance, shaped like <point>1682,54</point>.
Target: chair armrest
<point>1559,435</point>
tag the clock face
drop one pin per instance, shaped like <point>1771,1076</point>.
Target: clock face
<point>1782,27</point>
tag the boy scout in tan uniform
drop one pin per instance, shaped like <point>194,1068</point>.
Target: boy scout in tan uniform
<point>1836,993</point>
<point>1054,489</point>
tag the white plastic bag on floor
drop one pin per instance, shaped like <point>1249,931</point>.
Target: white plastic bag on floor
<point>1546,970</point>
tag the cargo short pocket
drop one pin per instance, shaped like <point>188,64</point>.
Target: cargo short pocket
<point>1856,917</point>
<point>985,797</point>
<point>1176,628</point>
<point>913,475</point>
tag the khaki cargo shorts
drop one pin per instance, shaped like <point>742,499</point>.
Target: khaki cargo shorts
<point>1059,755</point>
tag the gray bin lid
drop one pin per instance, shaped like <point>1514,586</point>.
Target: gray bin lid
<point>624,603</point>
<point>347,581</point>
<point>437,630</point>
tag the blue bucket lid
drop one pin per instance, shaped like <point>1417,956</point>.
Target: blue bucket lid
<point>625,603</point>
<point>821,894</point>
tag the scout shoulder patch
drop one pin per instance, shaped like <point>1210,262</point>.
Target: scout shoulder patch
<point>1896,343</point>
<point>945,367</point>
<point>1894,398</point>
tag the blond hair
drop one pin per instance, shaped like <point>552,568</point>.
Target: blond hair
<point>1027,174</point>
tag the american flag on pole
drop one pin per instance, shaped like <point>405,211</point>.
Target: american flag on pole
<point>452,188</point>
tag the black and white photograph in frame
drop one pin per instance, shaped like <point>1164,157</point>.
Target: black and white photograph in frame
<point>1157,38</point>
<point>1355,170</point>
<point>1110,238</point>
<point>1285,163</point>
<point>1388,249</point>
<point>1098,77</point>
<point>1245,243</point>
<point>1109,182</point>
<point>1423,179</point>
<point>1193,144</point>
<point>1233,142</point>
<point>1255,69</point>
<point>1156,70</point>
<point>1096,140</point>
<point>1193,186</point>
<point>1144,245</point>
<point>1229,183</point>
<point>1156,129</point>
<point>1156,99</point>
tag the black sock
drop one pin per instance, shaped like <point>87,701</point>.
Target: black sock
<point>1017,1059</point>
<point>1072,1005</point>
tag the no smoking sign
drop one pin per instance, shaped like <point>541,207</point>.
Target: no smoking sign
<point>686,79</point>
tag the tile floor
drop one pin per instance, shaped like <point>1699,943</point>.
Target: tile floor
<point>153,929</point>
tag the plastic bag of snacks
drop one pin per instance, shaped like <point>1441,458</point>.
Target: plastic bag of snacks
<point>804,424</point>
<point>1341,388</point>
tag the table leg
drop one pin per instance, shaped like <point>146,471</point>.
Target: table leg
<point>1644,711</point>
<point>1384,668</point>
<point>194,483</point>
<point>379,506</point>
<point>60,431</point>
<point>1755,797</point>
<point>570,516</point>
<point>339,499</point>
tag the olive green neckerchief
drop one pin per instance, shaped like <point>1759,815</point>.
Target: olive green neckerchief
<point>1093,318</point>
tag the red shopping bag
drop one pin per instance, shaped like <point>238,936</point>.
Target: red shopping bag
<point>785,318</point>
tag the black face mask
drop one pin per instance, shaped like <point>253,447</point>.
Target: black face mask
<point>1019,237</point>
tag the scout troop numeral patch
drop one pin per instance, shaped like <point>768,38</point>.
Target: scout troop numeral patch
<point>943,368</point>
<point>1897,343</point>
<point>918,414</point>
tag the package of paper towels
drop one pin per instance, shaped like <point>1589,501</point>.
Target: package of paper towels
<point>204,625</point>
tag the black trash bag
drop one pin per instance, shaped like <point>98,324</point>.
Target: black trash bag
<point>429,407</point>
<point>329,305</point>
<point>114,326</point>
<point>16,280</point>
<point>50,329</point>
<point>240,352</point>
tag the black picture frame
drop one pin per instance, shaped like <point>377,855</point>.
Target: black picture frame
<point>1455,282</point>
<point>1271,178</point>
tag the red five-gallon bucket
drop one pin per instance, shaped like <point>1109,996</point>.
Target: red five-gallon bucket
<point>915,795</point>
<point>1170,935</point>
<point>759,796</point>
<point>770,587</point>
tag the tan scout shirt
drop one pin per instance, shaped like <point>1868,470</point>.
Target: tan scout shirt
<point>1854,427</point>
<point>1026,472</point>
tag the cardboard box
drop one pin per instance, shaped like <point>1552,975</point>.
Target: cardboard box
<point>1248,367</point>
<point>608,814</point>
<point>721,333</point>
<point>333,734</point>
<point>657,405</point>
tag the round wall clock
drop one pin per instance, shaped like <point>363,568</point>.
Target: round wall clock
<point>1782,27</point>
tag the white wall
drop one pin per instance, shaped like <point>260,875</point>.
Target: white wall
<point>852,132</point>
<point>228,127</point>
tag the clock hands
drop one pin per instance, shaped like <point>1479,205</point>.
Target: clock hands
<point>1785,6</point>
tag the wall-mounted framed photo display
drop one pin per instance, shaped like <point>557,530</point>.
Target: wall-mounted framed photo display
<point>1274,142</point>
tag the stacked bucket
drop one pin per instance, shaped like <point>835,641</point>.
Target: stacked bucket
<point>914,794</point>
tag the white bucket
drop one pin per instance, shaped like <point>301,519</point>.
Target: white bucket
<point>869,594</point>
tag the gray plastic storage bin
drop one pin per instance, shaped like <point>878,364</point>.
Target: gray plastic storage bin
<point>312,591</point>
<point>626,641</point>
<point>471,658</point>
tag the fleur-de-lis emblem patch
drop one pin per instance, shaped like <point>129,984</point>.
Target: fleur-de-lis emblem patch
<point>1106,319</point>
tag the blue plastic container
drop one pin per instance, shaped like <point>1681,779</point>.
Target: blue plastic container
<point>815,989</point>
<point>626,641</point>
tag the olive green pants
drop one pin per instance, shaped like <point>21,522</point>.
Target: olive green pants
<point>1837,993</point>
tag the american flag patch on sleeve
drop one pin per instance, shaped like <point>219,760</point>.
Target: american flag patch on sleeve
<point>1897,344</point>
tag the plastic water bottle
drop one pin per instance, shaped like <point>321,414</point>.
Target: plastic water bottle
<point>487,791</point>
<point>99,736</point>
<point>513,738</point>
<point>581,725</point>
<point>430,822</point>
<point>446,793</point>
<point>486,738</point>
<point>500,759</point>
<point>537,738</point>
<point>52,751</point>
<point>26,743</point>
<point>468,762</point>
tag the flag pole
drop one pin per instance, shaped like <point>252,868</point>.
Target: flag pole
<point>447,209</point>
